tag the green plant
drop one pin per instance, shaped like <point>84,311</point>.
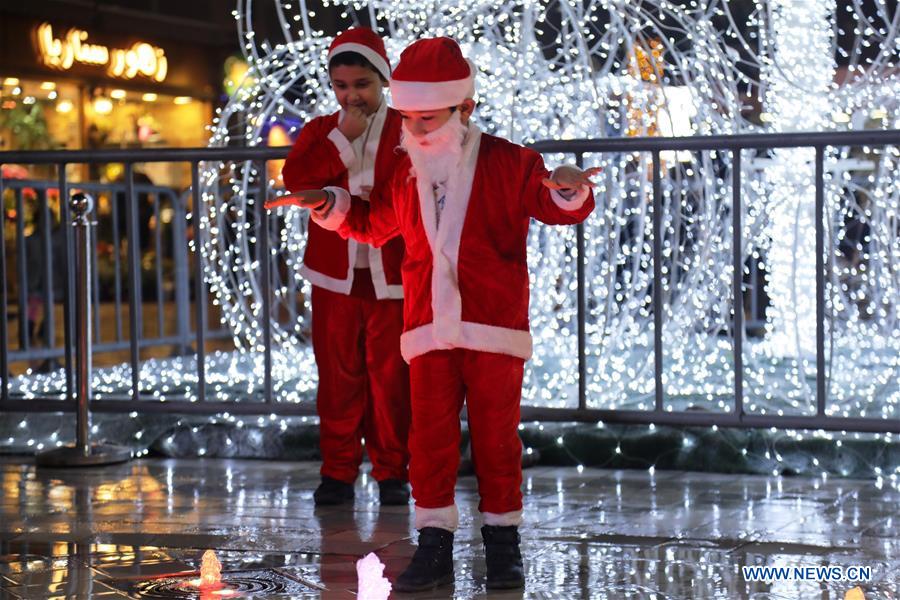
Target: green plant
<point>28,126</point>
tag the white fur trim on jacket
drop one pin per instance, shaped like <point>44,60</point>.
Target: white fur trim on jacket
<point>361,174</point>
<point>383,291</point>
<point>344,147</point>
<point>446,302</point>
<point>339,286</point>
<point>503,519</point>
<point>446,517</point>
<point>338,213</point>
<point>473,336</point>
<point>373,57</point>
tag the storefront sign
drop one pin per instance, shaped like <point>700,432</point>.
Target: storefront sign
<point>126,63</point>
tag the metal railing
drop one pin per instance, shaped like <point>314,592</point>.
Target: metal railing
<point>737,417</point>
<point>734,144</point>
<point>184,337</point>
<point>50,251</point>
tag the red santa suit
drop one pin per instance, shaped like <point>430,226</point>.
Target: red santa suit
<point>356,305</point>
<point>465,331</point>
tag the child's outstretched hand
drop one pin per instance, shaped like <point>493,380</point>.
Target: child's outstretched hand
<point>312,199</point>
<point>566,177</point>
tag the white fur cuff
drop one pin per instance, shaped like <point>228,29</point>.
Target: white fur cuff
<point>503,519</point>
<point>575,200</point>
<point>344,148</point>
<point>333,219</point>
<point>569,200</point>
<point>446,517</point>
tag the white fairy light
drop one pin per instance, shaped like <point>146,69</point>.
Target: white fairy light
<point>604,68</point>
<point>537,80</point>
<point>803,88</point>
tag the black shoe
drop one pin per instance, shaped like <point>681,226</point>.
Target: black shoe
<point>393,492</point>
<point>432,564</point>
<point>332,491</point>
<point>502,557</point>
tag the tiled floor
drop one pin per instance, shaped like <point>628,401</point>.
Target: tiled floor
<point>96,533</point>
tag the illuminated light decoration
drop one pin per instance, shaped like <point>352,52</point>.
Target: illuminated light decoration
<point>62,53</point>
<point>818,74</point>
<point>797,86</point>
<point>535,82</point>
<point>230,376</point>
<point>102,105</point>
<point>236,72</point>
<point>653,69</point>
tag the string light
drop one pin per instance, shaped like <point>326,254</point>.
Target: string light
<point>608,68</point>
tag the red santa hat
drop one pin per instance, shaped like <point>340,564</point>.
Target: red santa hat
<point>365,42</point>
<point>432,74</point>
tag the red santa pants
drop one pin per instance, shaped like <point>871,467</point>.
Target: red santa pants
<point>491,385</point>
<point>363,382</point>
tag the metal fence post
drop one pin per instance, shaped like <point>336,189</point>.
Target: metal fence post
<point>821,391</point>
<point>262,219</point>
<point>657,283</point>
<point>83,453</point>
<point>182,274</point>
<point>581,253</point>
<point>737,282</point>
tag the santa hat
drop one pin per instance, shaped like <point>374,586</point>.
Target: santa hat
<point>365,42</point>
<point>432,74</point>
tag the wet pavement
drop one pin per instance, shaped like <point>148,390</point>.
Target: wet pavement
<point>116,532</point>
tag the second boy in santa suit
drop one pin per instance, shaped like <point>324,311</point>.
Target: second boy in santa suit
<point>357,295</point>
<point>462,200</point>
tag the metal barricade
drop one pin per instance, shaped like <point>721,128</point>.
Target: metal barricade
<point>736,417</point>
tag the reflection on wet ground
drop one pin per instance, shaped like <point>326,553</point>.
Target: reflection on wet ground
<point>97,533</point>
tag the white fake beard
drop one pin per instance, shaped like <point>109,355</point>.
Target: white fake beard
<point>436,155</point>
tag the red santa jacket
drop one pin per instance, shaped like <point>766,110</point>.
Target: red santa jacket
<point>321,157</point>
<point>465,281</point>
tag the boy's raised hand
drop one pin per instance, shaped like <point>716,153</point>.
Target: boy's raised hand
<point>311,199</point>
<point>566,177</point>
<point>353,123</point>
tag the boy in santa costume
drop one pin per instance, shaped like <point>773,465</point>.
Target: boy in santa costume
<point>462,201</point>
<point>357,306</point>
